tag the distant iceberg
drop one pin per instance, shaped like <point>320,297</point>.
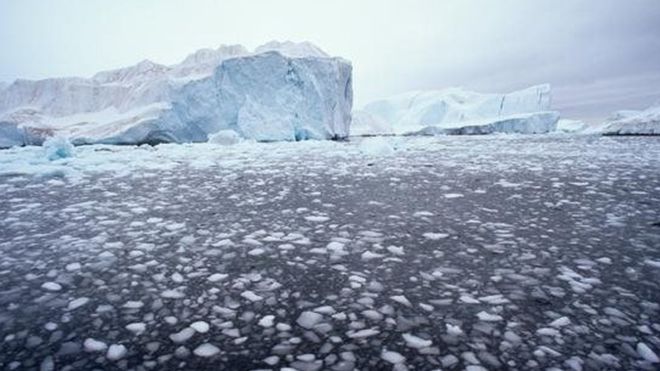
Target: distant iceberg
<point>282,91</point>
<point>457,111</point>
<point>646,122</point>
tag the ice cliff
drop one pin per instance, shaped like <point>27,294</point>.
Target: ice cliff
<point>281,91</point>
<point>457,111</point>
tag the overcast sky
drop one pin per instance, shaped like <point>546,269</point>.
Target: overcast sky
<point>599,55</point>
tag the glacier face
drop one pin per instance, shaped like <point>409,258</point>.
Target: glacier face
<point>646,122</point>
<point>457,111</point>
<point>282,91</point>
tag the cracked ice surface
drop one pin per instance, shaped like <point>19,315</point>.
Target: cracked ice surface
<point>317,255</point>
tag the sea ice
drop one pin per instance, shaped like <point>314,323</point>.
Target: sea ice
<point>116,352</point>
<point>92,345</point>
<point>200,326</point>
<point>309,319</point>
<point>392,357</point>
<point>51,286</point>
<point>206,350</point>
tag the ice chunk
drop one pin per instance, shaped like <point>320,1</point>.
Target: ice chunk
<point>183,335</point>
<point>309,319</point>
<point>51,286</point>
<point>206,350</point>
<point>133,304</point>
<point>416,342</point>
<point>136,327</point>
<point>77,303</point>
<point>93,345</point>
<point>58,147</point>
<point>317,218</point>
<point>116,352</point>
<point>73,267</point>
<point>485,316</point>
<point>647,353</point>
<point>200,326</point>
<point>215,277</point>
<point>560,322</point>
<point>435,236</point>
<point>251,296</point>
<point>267,321</point>
<point>172,294</point>
<point>401,300</point>
<point>392,357</point>
<point>363,333</point>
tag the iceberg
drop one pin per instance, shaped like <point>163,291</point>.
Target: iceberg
<point>457,111</point>
<point>646,122</point>
<point>281,91</point>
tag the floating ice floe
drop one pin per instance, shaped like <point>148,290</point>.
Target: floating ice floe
<point>51,286</point>
<point>93,345</point>
<point>206,350</point>
<point>416,342</point>
<point>116,352</point>
<point>392,357</point>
